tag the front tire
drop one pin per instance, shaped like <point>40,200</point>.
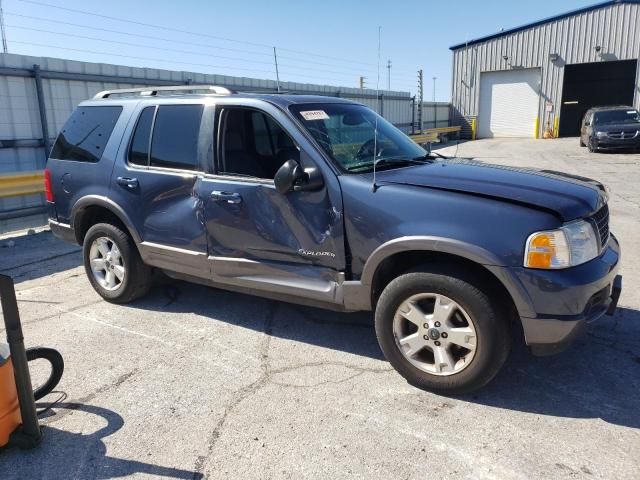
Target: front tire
<point>113,264</point>
<point>441,332</point>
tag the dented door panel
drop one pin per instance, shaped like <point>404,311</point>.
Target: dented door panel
<point>299,228</point>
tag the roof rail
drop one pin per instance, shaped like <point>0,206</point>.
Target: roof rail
<point>153,91</point>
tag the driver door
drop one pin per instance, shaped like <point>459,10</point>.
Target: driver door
<point>258,238</point>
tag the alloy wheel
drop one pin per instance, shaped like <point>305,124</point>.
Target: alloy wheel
<point>435,334</point>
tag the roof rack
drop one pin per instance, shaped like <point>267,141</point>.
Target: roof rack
<point>153,91</point>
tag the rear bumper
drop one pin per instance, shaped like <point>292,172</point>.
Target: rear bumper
<point>62,231</point>
<point>565,301</point>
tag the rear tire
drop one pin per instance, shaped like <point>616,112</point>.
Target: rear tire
<point>113,264</point>
<point>592,147</point>
<point>468,309</point>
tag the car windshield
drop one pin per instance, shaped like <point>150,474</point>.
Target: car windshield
<point>616,116</point>
<point>347,133</point>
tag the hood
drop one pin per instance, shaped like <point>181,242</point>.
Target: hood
<point>568,196</point>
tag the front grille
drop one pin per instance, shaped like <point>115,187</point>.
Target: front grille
<point>623,135</point>
<point>601,219</point>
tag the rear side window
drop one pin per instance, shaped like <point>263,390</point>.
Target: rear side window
<point>86,133</point>
<point>175,137</point>
<point>139,151</point>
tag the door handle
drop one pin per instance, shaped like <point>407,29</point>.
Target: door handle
<point>229,197</point>
<point>130,183</point>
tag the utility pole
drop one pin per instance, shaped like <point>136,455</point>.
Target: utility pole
<point>389,74</point>
<point>362,81</point>
<point>434,88</point>
<point>420,97</point>
<point>3,30</point>
<point>275,59</point>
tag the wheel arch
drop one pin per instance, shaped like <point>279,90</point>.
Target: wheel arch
<point>403,254</point>
<point>94,209</point>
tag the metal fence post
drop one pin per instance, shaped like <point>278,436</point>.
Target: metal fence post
<point>43,113</point>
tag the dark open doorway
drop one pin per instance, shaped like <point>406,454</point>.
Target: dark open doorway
<point>589,85</point>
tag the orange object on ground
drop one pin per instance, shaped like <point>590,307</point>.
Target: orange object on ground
<point>10,418</point>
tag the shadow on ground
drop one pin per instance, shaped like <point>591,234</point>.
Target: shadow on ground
<point>27,257</point>
<point>598,377</point>
<point>67,455</point>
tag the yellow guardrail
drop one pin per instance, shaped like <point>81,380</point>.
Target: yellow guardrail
<point>432,134</point>
<point>23,183</point>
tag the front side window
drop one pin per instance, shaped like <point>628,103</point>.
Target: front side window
<point>616,116</point>
<point>252,144</point>
<point>175,137</point>
<point>355,137</point>
<point>86,133</point>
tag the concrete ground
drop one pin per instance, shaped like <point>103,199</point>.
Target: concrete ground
<point>193,382</point>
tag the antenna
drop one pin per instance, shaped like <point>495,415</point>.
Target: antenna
<point>3,31</point>
<point>374,187</point>
<point>275,59</point>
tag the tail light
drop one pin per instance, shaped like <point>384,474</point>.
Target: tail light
<point>48,191</point>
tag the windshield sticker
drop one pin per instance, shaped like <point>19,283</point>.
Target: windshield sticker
<point>314,115</point>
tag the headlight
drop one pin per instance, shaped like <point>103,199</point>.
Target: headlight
<point>601,134</point>
<point>573,244</point>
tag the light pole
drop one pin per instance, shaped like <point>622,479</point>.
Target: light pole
<point>434,88</point>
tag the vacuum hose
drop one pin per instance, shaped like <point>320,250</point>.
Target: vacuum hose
<point>57,368</point>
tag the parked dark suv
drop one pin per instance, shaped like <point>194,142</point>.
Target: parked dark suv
<point>276,195</point>
<point>610,128</point>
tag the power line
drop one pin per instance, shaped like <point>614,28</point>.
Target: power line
<point>166,49</point>
<point>164,27</point>
<point>152,37</point>
<point>120,32</point>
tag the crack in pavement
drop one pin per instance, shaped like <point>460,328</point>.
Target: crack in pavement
<point>266,378</point>
<point>243,393</point>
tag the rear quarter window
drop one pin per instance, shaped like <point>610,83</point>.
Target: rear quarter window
<point>86,133</point>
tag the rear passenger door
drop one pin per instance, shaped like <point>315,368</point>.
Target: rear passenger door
<point>156,180</point>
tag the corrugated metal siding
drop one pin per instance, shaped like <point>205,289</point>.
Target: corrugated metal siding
<point>615,28</point>
<point>20,120</point>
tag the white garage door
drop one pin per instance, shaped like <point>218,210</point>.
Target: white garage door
<point>508,103</point>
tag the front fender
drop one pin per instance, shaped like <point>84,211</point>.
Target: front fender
<point>357,294</point>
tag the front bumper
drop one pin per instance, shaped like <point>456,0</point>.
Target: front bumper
<point>565,301</point>
<point>616,144</point>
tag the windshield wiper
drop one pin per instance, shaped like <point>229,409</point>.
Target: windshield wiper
<point>388,161</point>
<point>431,155</point>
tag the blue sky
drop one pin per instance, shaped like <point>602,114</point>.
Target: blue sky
<point>329,42</point>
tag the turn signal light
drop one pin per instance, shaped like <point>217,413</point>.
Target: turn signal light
<point>547,250</point>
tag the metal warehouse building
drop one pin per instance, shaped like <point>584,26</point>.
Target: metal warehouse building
<point>545,75</point>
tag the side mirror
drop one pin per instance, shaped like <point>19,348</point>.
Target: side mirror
<point>288,175</point>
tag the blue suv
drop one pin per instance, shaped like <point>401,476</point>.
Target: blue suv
<point>322,202</point>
